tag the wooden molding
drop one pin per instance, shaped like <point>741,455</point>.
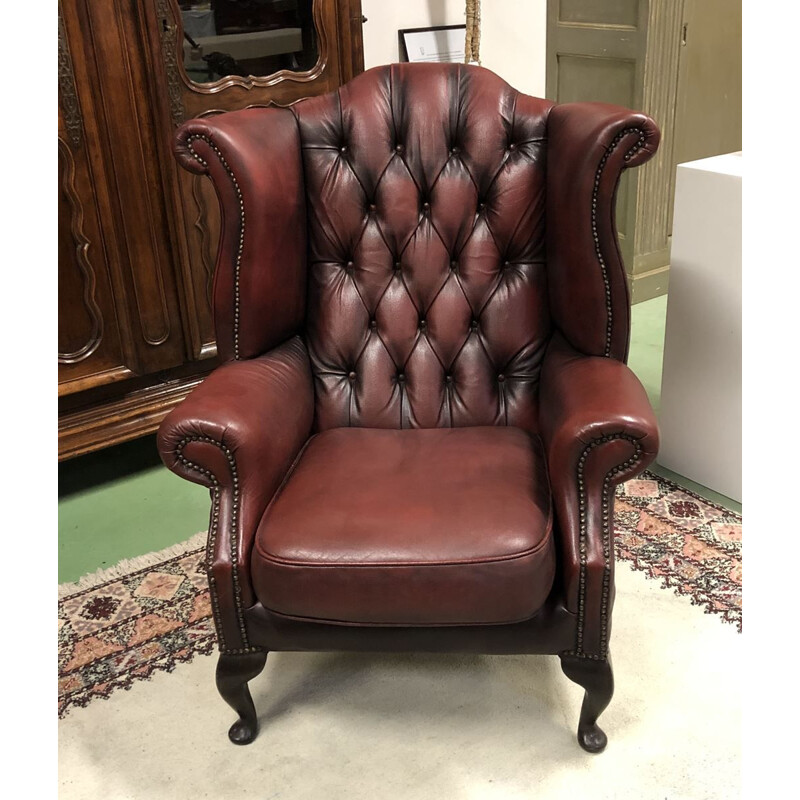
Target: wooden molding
<point>81,247</point>
<point>136,414</point>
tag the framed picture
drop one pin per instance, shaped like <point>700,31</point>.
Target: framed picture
<point>440,43</point>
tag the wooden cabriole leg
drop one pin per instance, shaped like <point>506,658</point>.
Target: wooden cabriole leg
<point>597,678</point>
<point>233,673</point>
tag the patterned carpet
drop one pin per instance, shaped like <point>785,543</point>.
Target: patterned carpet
<point>119,626</point>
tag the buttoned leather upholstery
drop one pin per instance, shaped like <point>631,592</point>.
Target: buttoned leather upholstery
<point>427,301</point>
<point>424,410</point>
<point>384,553</point>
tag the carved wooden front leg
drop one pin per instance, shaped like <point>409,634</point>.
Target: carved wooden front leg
<point>597,678</point>
<point>233,673</point>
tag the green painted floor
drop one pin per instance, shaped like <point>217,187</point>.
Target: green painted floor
<point>121,502</point>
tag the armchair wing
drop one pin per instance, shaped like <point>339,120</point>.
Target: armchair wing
<point>253,159</point>
<point>589,145</point>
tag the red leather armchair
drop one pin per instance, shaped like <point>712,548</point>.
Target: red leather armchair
<point>414,443</point>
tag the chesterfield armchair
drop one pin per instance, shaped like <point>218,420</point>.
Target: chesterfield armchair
<point>424,408</point>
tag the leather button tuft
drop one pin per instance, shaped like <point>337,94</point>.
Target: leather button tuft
<point>512,146</point>
<point>398,148</point>
<point>454,265</point>
<point>373,324</point>
<point>343,148</point>
<point>455,149</point>
<point>372,206</point>
<point>501,378</point>
<point>448,378</point>
<point>423,324</point>
<point>426,205</point>
<point>400,377</point>
<point>352,376</point>
<point>474,325</point>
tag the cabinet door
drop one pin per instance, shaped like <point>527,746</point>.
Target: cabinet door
<point>114,86</point>
<point>89,348</point>
<point>234,55</point>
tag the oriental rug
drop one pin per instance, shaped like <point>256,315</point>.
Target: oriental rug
<point>121,625</point>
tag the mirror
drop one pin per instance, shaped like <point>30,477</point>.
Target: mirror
<point>247,38</point>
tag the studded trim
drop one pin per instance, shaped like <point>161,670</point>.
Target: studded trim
<point>240,247</point>
<point>607,534</point>
<point>595,191</point>
<point>212,537</point>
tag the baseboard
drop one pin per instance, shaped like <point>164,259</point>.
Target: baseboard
<point>647,285</point>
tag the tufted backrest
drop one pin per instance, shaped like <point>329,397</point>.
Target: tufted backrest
<point>427,297</point>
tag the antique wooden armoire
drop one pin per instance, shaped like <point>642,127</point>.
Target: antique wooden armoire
<point>138,235</point>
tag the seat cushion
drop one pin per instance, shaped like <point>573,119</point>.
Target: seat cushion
<point>440,526</point>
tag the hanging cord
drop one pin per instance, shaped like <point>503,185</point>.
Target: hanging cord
<point>472,46</point>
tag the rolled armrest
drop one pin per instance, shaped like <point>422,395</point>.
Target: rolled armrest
<point>238,433</point>
<point>598,429</point>
<point>589,145</point>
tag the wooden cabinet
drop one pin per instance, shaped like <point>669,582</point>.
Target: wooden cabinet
<point>677,60</point>
<point>138,235</point>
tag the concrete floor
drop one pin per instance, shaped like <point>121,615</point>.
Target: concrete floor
<point>121,502</point>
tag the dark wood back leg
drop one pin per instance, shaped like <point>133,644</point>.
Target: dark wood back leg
<point>233,673</point>
<point>597,678</point>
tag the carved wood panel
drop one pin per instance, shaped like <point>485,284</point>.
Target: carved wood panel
<point>89,351</point>
<point>147,286</point>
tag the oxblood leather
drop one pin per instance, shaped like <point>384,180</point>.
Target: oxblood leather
<point>403,536</point>
<point>589,298</point>
<point>260,411</point>
<point>297,208</point>
<point>426,241</point>
<point>595,406</point>
<point>258,176</point>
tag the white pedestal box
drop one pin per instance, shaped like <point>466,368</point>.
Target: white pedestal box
<point>701,385</point>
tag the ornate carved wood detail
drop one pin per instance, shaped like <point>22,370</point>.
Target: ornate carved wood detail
<point>171,31</point>
<point>81,245</point>
<point>176,73</point>
<point>201,224</point>
<point>66,87</point>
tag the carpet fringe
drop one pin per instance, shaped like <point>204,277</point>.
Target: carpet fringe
<point>130,565</point>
